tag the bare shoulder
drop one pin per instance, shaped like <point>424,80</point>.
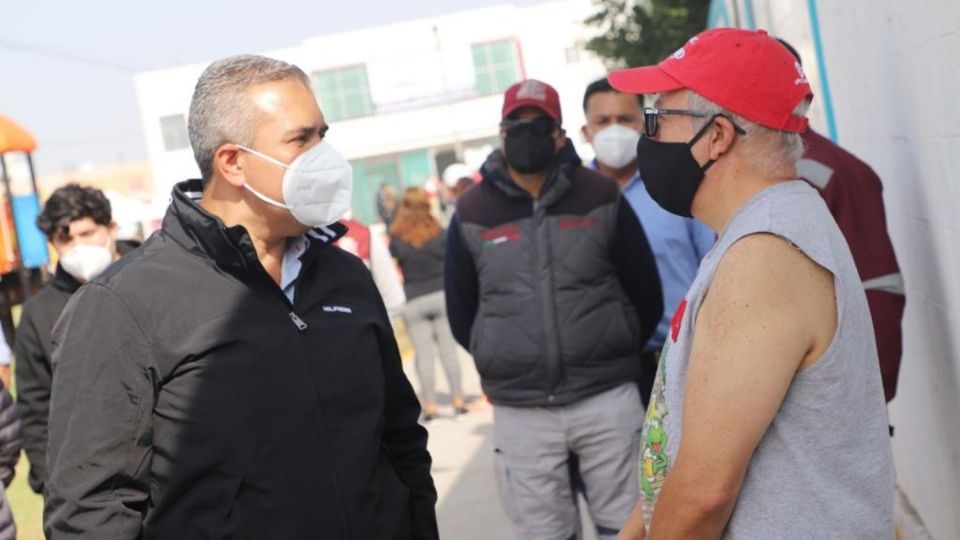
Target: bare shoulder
<point>764,278</point>
<point>770,264</point>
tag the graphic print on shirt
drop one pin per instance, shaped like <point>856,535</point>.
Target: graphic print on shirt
<point>655,462</point>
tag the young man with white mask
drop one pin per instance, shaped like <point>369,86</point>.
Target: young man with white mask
<point>614,120</point>
<point>238,376</point>
<point>78,223</point>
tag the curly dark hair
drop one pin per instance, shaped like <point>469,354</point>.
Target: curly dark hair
<point>71,203</point>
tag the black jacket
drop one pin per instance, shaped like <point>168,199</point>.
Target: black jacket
<point>32,350</point>
<point>553,296</point>
<point>10,443</point>
<point>191,399</point>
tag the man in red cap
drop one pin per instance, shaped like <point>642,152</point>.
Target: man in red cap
<point>767,418</point>
<point>552,287</point>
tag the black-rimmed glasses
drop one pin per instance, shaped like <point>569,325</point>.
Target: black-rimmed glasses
<point>651,120</point>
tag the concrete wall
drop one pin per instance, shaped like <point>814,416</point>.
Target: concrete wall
<point>893,72</point>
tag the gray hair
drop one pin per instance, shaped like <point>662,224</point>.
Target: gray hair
<point>773,149</point>
<point>220,111</point>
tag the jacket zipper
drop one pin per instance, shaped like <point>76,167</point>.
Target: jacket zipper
<point>332,470</point>
<point>550,369</point>
<point>298,321</point>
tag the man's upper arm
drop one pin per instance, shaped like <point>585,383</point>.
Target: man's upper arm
<point>385,274</point>
<point>33,396</point>
<point>636,268</point>
<point>100,420</point>
<point>460,285</point>
<point>10,437</point>
<point>751,335</point>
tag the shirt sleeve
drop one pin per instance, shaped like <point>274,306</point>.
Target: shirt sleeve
<point>385,274</point>
<point>460,285</point>
<point>701,237</point>
<point>637,269</point>
<point>10,436</point>
<point>100,450</point>
<point>33,380</point>
<point>6,356</point>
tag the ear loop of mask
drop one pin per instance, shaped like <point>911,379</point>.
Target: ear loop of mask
<point>699,134</point>
<point>256,193</point>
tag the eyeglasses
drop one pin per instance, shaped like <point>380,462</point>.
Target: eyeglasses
<point>541,125</point>
<point>651,120</point>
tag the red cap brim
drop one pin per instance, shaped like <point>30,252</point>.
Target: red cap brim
<point>643,80</point>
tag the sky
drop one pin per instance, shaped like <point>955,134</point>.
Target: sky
<point>67,67</point>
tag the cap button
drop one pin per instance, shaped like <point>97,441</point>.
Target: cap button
<point>762,32</point>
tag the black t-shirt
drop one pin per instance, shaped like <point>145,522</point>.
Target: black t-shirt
<point>422,268</point>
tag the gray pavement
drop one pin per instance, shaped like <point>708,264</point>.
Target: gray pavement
<point>468,507</point>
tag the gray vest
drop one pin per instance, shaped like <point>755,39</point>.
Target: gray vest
<point>824,467</point>
<point>553,325</point>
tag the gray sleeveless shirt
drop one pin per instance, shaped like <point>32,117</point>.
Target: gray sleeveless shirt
<point>824,467</point>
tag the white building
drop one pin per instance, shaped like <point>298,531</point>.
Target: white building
<point>403,100</point>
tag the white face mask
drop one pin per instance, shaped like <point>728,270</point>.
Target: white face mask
<point>316,185</point>
<point>85,262</point>
<point>616,145</point>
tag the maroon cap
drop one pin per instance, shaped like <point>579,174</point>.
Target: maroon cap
<point>532,93</point>
<point>744,71</point>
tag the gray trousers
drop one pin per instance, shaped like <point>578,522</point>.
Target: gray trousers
<point>532,448</point>
<point>426,320</point>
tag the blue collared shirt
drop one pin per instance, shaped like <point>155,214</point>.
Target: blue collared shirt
<point>291,265</point>
<point>678,244</point>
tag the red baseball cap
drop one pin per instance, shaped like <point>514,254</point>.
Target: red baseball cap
<point>532,93</point>
<point>745,71</point>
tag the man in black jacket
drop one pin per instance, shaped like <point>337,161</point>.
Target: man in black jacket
<point>237,376</point>
<point>78,223</point>
<point>551,285</point>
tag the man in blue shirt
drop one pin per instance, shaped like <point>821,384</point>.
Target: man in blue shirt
<point>613,128</point>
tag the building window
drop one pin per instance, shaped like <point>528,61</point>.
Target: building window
<point>174,130</point>
<point>495,65</point>
<point>343,93</point>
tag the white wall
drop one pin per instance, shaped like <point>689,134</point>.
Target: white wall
<point>894,74</point>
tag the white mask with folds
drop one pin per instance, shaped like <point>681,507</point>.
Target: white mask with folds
<point>317,185</point>
<point>616,145</point>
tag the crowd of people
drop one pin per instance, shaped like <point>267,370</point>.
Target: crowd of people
<point>675,330</point>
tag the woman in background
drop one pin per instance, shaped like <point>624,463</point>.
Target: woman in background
<point>417,243</point>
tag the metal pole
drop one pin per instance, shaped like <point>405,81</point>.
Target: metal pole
<point>33,182</point>
<point>33,175</point>
<point>21,270</point>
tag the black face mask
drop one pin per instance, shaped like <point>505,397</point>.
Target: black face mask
<point>670,173</point>
<point>529,150</point>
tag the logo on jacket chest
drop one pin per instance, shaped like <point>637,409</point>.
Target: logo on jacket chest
<point>577,223</point>
<point>500,235</point>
